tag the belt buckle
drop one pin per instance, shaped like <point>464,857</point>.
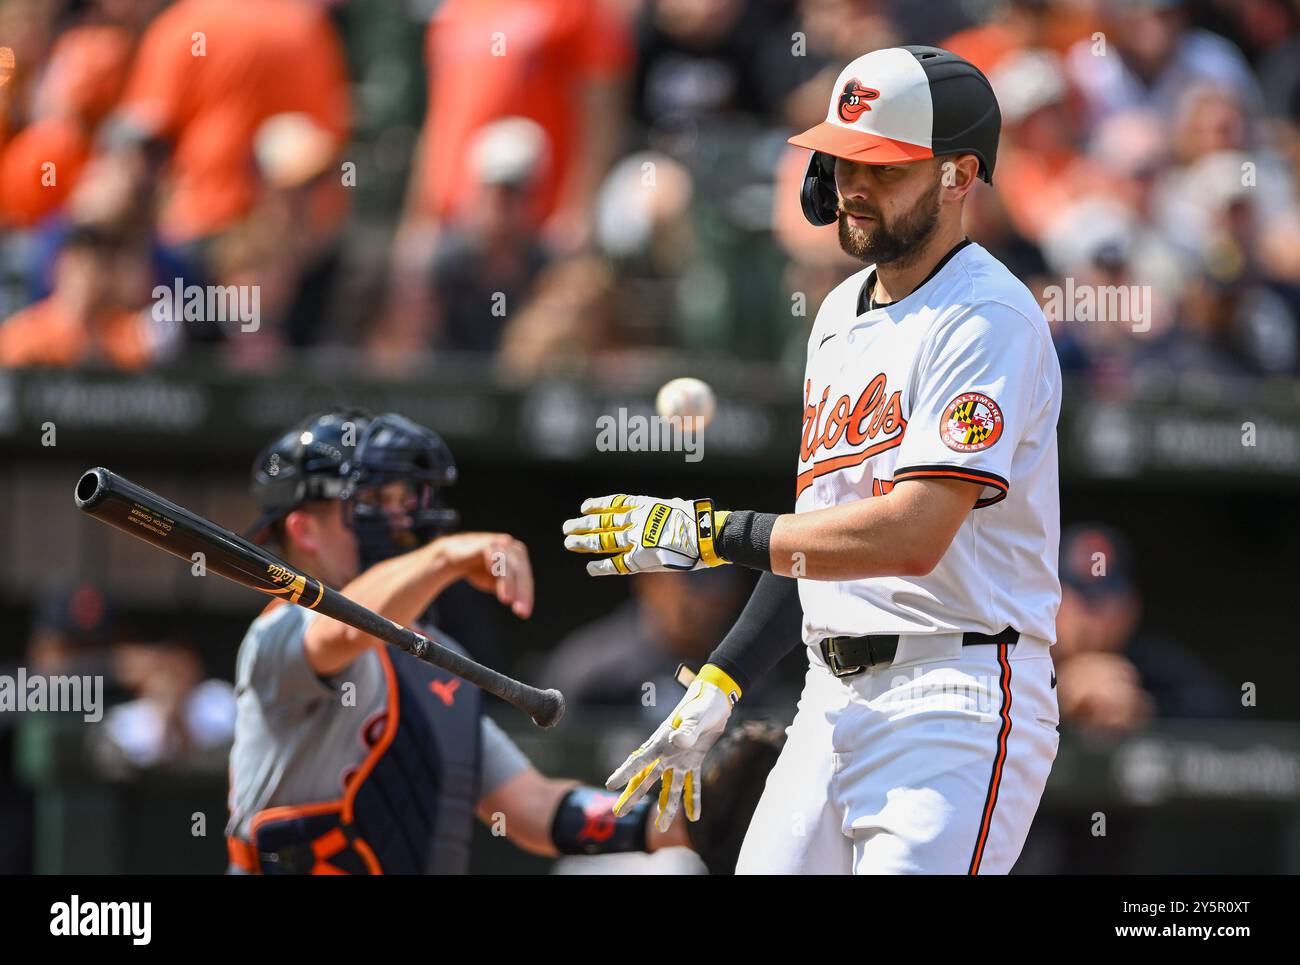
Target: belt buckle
<point>837,669</point>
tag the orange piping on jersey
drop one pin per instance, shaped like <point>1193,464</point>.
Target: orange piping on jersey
<point>999,761</point>
<point>989,480</point>
<point>805,478</point>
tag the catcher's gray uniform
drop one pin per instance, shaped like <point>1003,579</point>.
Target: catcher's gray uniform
<point>298,736</point>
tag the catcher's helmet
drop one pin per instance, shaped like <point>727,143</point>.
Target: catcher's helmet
<point>340,454</point>
<point>898,105</point>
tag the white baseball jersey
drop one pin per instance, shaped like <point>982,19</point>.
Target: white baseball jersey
<point>957,380</point>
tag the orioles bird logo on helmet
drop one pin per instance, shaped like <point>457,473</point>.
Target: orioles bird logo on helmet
<point>853,100</point>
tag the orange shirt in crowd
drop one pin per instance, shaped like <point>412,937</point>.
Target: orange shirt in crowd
<point>208,95</point>
<point>45,334</point>
<point>86,72</point>
<point>985,44</point>
<point>81,83</point>
<point>490,59</point>
<point>1035,189</point>
<point>38,168</point>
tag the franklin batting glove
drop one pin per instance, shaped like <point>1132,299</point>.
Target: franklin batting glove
<point>645,534</point>
<point>677,748</point>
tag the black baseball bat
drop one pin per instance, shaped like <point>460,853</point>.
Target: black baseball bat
<point>147,516</point>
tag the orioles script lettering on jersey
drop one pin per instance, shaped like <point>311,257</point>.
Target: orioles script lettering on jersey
<point>876,412</point>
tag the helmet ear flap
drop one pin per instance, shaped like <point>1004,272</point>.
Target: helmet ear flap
<point>818,197</point>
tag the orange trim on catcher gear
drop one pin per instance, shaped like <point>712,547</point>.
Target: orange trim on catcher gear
<point>344,805</point>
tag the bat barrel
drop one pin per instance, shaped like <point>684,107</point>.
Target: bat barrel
<point>92,487</point>
<point>549,708</point>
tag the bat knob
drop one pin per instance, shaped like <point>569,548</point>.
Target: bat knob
<point>550,708</point>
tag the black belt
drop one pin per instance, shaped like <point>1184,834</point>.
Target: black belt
<point>846,656</point>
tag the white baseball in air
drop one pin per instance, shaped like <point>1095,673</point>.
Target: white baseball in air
<point>687,399</point>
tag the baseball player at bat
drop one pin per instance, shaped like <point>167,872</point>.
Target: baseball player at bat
<point>923,541</point>
<point>350,755</point>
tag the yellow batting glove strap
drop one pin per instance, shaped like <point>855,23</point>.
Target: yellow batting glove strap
<point>711,673</point>
<point>708,521</point>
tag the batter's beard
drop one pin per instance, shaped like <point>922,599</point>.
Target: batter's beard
<point>897,243</point>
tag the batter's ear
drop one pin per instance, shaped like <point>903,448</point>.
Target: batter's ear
<point>957,175</point>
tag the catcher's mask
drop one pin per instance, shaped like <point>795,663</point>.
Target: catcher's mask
<point>895,106</point>
<point>386,471</point>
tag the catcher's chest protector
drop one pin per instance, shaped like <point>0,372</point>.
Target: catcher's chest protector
<point>409,807</point>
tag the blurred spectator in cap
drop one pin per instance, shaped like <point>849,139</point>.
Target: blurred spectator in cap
<point>1145,57</point>
<point>559,63</point>
<point>1131,150</point>
<point>73,629</point>
<point>160,706</point>
<point>1114,277</point>
<point>669,619</point>
<point>86,319</point>
<point>646,228</point>
<point>289,245</point>
<point>485,264</point>
<point>1208,118</point>
<point>1112,674</point>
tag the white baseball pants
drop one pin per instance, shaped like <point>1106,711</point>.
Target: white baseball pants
<point>932,765</point>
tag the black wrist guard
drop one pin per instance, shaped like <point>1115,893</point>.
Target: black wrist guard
<point>746,539</point>
<point>585,823</point>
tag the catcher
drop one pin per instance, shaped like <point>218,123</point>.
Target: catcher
<point>350,756</point>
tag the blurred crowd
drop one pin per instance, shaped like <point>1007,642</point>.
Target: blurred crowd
<point>158,707</point>
<point>544,183</point>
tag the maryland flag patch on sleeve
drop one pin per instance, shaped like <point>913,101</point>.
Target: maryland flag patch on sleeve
<point>970,422</point>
